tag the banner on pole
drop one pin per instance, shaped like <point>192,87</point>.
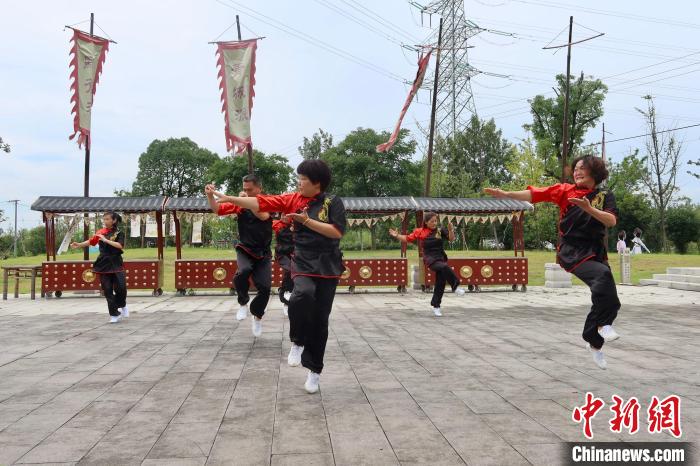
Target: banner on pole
<point>88,57</point>
<point>236,63</point>
<point>422,67</point>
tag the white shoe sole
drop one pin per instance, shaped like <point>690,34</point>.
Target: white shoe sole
<point>240,316</point>
<point>604,364</point>
<point>610,338</point>
<point>257,331</point>
<point>310,390</point>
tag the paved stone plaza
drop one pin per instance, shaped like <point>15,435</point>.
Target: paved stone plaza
<point>182,382</point>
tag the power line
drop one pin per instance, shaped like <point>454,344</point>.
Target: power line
<point>310,39</point>
<point>644,135</point>
<point>616,14</point>
<point>356,20</point>
<point>380,19</point>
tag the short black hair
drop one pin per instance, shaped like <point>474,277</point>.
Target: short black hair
<point>317,171</point>
<point>252,179</point>
<point>595,166</point>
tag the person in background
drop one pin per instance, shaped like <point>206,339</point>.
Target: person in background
<point>109,265</point>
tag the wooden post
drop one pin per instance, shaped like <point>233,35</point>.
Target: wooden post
<point>159,242</point>
<point>46,234</point>
<point>178,238</point>
<point>404,230</point>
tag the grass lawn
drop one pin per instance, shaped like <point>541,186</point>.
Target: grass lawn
<point>643,266</point>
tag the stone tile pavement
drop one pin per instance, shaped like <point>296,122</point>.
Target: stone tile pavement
<point>181,382</point>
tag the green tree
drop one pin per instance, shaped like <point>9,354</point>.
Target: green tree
<point>313,147</point>
<point>273,170</point>
<point>5,147</point>
<point>663,155</point>
<point>472,159</point>
<point>175,167</point>
<point>697,164</point>
<point>528,169</point>
<point>684,226</point>
<point>626,182</point>
<point>359,170</point>
<point>586,97</point>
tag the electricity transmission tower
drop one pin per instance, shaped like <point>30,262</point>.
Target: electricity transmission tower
<point>455,101</point>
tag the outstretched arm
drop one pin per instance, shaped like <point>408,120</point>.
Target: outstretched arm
<point>525,195</point>
<point>209,190</point>
<point>250,203</point>
<point>395,234</point>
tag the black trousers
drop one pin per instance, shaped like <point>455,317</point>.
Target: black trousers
<point>443,275</point>
<point>287,286</point>
<point>261,272</point>
<point>600,280</point>
<point>309,311</point>
<point>114,288</point>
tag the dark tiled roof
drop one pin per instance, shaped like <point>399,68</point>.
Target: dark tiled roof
<point>188,204</point>
<point>379,204</point>
<point>470,205</point>
<point>67,204</point>
<point>388,204</point>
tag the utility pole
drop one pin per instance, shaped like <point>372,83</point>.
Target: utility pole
<point>565,130</point>
<point>86,181</point>
<point>429,162</point>
<point>250,146</point>
<point>565,137</point>
<point>15,201</point>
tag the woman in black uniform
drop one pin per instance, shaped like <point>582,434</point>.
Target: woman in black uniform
<point>109,265</point>
<point>585,212</point>
<point>432,240</point>
<point>317,263</point>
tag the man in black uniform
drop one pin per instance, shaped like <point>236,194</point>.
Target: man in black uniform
<point>253,254</point>
<point>317,262</point>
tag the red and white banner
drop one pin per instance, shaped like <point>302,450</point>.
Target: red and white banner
<point>422,67</point>
<point>236,63</point>
<point>88,56</point>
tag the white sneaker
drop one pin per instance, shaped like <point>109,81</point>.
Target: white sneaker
<point>294,358</point>
<point>437,312</point>
<point>285,310</point>
<point>114,319</point>
<point>608,333</point>
<point>598,357</point>
<point>312,380</point>
<point>125,311</point>
<point>257,327</point>
<point>459,291</point>
<point>242,312</point>
<point>287,295</point>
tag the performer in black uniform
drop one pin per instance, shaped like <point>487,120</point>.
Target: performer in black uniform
<point>585,212</point>
<point>284,247</point>
<point>432,240</point>
<point>317,263</point>
<point>253,256</point>
<point>109,265</point>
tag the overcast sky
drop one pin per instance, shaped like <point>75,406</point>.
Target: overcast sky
<point>159,80</point>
